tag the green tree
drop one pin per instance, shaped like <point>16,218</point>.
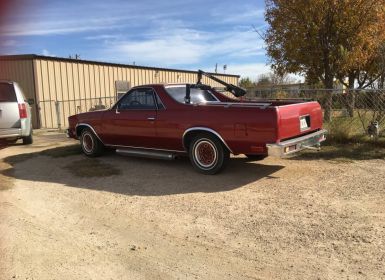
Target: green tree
<point>264,80</point>
<point>246,83</point>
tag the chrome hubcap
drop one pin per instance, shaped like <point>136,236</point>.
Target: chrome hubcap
<point>88,143</point>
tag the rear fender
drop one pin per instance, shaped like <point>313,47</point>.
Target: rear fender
<point>189,133</point>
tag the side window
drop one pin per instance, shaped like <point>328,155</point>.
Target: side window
<point>159,102</point>
<point>138,99</point>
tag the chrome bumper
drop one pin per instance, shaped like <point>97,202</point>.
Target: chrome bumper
<point>289,147</point>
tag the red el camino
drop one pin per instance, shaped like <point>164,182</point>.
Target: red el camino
<point>168,120</point>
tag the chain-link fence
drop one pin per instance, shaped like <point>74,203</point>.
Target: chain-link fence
<point>347,113</point>
<point>54,114</point>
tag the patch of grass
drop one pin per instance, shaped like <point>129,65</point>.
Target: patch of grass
<point>346,152</point>
<point>342,128</point>
<point>91,167</point>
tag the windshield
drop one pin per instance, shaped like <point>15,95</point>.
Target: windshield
<point>196,95</point>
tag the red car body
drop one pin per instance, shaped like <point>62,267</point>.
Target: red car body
<point>243,127</point>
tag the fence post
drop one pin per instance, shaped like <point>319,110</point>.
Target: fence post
<point>328,106</point>
<point>58,114</point>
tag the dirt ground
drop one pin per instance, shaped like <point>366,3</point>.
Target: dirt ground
<point>62,217</point>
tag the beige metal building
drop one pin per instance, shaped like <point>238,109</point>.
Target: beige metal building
<point>60,87</point>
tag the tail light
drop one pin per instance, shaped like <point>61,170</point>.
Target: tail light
<point>23,111</point>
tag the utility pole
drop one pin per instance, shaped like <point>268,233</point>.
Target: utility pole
<point>216,67</point>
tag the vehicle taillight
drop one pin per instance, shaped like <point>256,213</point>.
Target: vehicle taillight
<point>22,111</point>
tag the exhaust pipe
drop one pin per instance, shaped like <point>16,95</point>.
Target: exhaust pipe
<point>146,154</point>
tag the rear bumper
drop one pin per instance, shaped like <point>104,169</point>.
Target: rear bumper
<point>289,147</point>
<point>23,130</point>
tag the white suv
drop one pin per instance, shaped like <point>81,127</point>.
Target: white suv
<point>15,114</point>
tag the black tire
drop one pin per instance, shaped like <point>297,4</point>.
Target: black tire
<point>207,154</point>
<point>256,157</point>
<point>28,140</point>
<point>91,145</point>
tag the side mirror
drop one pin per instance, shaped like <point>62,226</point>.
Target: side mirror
<point>31,101</point>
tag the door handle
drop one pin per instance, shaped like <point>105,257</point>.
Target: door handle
<point>151,118</point>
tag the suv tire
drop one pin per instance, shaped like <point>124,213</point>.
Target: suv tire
<point>28,140</point>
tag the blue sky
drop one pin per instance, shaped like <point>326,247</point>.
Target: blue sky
<point>176,34</point>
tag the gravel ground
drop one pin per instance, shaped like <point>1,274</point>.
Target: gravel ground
<point>153,219</point>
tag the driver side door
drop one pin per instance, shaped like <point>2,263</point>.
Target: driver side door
<point>131,122</point>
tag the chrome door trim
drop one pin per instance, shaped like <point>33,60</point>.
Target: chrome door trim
<point>144,148</point>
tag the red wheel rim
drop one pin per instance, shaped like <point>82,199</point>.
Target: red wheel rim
<point>205,153</point>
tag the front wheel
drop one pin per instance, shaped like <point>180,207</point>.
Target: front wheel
<point>207,154</point>
<point>91,145</point>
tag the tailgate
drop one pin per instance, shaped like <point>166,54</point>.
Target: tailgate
<point>298,119</point>
<point>9,115</point>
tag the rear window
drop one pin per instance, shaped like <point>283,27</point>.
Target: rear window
<point>196,95</point>
<point>7,93</point>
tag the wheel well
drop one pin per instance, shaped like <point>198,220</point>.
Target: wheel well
<point>79,129</point>
<point>189,136</point>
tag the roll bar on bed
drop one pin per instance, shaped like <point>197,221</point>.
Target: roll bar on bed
<point>235,90</point>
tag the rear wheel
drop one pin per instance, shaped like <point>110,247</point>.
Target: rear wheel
<point>207,154</point>
<point>90,144</point>
<point>28,140</point>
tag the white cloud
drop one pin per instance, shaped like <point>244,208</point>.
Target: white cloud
<point>171,45</point>
<point>103,37</point>
<point>165,34</point>
<point>170,51</point>
<point>242,43</point>
<point>8,43</point>
<point>58,27</point>
<point>67,20</point>
<point>46,52</point>
<point>240,15</point>
<point>248,70</point>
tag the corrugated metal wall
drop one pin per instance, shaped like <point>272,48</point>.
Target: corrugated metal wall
<point>22,72</point>
<point>65,87</point>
